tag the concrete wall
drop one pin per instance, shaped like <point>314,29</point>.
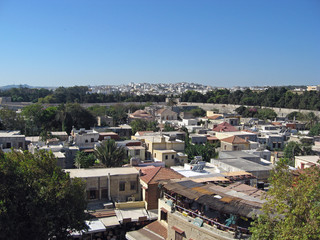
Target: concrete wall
<point>191,231</point>
<point>100,185</point>
<point>228,108</point>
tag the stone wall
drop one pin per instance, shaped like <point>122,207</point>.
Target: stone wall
<point>229,108</point>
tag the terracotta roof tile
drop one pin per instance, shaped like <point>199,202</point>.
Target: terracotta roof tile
<point>164,174</point>
<point>155,174</point>
<point>141,133</point>
<point>158,228</point>
<point>234,140</point>
<point>148,173</point>
<point>225,127</point>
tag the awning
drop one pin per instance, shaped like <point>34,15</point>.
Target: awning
<point>110,222</point>
<point>164,210</point>
<point>178,230</point>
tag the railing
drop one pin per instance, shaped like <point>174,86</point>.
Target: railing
<point>205,219</point>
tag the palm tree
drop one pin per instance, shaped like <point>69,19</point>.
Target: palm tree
<point>110,154</point>
<point>311,119</point>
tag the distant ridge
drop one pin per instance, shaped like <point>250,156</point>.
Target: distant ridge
<point>15,86</point>
<point>7,87</point>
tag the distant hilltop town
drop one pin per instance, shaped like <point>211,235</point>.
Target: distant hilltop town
<point>179,88</point>
<point>168,88</point>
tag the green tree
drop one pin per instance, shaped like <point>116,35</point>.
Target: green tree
<point>118,113</point>
<point>10,120</point>
<point>98,110</point>
<point>38,200</point>
<point>198,112</point>
<point>143,125</point>
<point>291,150</point>
<point>206,151</point>
<point>295,116</point>
<point>109,154</point>
<point>266,113</point>
<point>33,117</point>
<point>311,119</point>
<point>315,130</point>
<point>292,208</point>
<point>168,127</point>
<point>138,125</point>
<point>84,160</point>
<point>77,116</point>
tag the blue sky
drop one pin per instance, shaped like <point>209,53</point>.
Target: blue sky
<point>101,42</point>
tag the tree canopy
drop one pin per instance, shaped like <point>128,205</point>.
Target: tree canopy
<point>38,200</point>
<point>109,154</point>
<point>143,125</point>
<point>292,210</point>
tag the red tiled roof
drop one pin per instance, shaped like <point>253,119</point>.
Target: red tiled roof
<point>165,173</point>
<point>225,127</point>
<point>214,117</point>
<point>234,140</point>
<point>155,174</point>
<point>212,138</point>
<point>141,133</point>
<point>139,112</point>
<point>148,173</point>
<point>158,228</point>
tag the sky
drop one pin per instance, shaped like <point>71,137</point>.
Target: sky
<point>221,43</point>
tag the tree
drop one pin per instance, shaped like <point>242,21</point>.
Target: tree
<point>292,208</point>
<point>33,117</point>
<point>291,150</point>
<point>138,125</point>
<point>315,130</point>
<point>10,120</point>
<point>295,116</point>
<point>198,112</point>
<point>266,113</point>
<point>311,119</point>
<point>206,151</point>
<point>84,160</point>
<point>168,127</point>
<point>38,200</point>
<point>110,154</point>
<point>143,125</point>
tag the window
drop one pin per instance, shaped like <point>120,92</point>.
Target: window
<point>122,186</point>
<point>133,185</point>
<point>92,139</point>
<point>166,157</point>
<point>93,194</point>
<point>172,156</point>
<point>20,145</point>
<point>86,140</point>
<point>8,145</point>
<point>164,215</point>
<point>137,152</point>
<point>178,236</point>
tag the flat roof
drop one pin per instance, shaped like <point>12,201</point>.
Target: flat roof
<point>166,151</point>
<point>59,154</point>
<point>135,147</point>
<point>59,133</point>
<point>244,164</point>
<point>100,172</point>
<point>313,159</point>
<point>11,134</point>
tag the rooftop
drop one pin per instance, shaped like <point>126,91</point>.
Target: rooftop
<point>100,172</point>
